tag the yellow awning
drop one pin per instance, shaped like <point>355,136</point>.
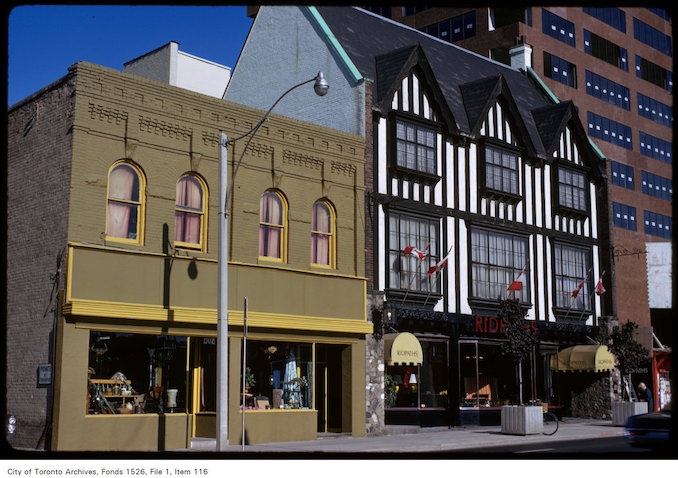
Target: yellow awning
<point>583,358</point>
<point>402,349</point>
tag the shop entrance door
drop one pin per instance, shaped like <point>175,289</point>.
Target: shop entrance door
<point>330,387</point>
<point>204,381</point>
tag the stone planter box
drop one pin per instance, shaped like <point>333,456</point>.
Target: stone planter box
<point>522,420</point>
<point>621,411</point>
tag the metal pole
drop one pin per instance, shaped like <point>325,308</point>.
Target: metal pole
<point>244,367</point>
<point>222,305</point>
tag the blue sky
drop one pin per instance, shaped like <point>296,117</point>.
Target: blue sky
<point>45,40</point>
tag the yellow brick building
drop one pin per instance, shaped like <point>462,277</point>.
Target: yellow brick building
<point>134,357</point>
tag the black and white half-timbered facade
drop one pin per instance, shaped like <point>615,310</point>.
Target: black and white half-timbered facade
<point>476,178</point>
<point>464,207</point>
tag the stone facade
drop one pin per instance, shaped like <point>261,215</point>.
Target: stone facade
<point>374,371</point>
<point>594,400</point>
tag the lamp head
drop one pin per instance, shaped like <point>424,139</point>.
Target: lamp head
<point>321,85</point>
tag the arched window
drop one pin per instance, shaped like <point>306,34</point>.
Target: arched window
<point>272,226</point>
<point>189,213</point>
<point>322,234</point>
<point>125,203</point>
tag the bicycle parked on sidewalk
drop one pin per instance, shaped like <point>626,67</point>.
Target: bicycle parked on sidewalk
<point>550,419</point>
<point>550,423</point>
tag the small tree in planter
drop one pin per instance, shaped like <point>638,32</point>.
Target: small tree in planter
<point>520,339</point>
<point>630,356</point>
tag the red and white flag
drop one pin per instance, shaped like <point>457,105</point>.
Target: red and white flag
<point>575,292</point>
<point>520,280</point>
<point>433,269</point>
<point>416,252</point>
<point>600,290</point>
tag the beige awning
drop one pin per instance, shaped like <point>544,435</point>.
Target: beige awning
<point>583,358</point>
<point>402,349</point>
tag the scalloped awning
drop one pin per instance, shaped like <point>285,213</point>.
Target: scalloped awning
<point>583,358</point>
<point>402,349</point>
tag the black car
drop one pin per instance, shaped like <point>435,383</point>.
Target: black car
<point>649,430</point>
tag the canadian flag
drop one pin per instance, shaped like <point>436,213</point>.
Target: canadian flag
<point>433,269</point>
<point>575,292</point>
<point>416,252</point>
<point>520,280</point>
<point>600,290</point>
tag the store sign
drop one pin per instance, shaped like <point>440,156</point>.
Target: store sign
<point>493,325</point>
<point>402,349</point>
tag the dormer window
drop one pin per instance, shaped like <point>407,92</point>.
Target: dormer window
<point>416,148</point>
<point>502,175</point>
<point>571,189</point>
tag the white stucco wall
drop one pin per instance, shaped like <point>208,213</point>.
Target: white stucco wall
<point>659,281</point>
<point>202,76</point>
<point>174,67</point>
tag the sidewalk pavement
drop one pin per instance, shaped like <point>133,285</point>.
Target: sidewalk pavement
<point>421,440</point>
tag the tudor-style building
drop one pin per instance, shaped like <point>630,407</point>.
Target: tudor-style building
<point>478,166</point>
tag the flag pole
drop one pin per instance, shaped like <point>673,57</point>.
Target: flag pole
<point>429,291</point>
<point>573,296</point>
<point>523,270</point>
<point>430,274</point>
<point>409,286</point>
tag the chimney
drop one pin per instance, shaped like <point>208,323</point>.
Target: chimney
<point>521,56</point>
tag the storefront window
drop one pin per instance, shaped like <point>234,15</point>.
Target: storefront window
<point>422,386</point>
<point>136,373</point>
<point>279,375</point>
<point>486,378</point>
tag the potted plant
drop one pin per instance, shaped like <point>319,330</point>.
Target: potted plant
<point>518,419</point>
<point>630,356</point>
<point>390,391</point>
<point>249,379</point>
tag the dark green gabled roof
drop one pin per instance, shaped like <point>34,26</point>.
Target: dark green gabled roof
<point>378,48</point>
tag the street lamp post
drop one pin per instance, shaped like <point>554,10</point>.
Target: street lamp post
<point>320,87</point>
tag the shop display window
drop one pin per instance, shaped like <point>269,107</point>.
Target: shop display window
<point>420,386</point>
<point>278,375</point>
<point>136,373</point>
<point>486,378</point>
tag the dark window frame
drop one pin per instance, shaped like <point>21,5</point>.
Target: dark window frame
<point>630,222</point>
<point>402,171</point>
<point>567,277</point>
<point>552,22</point>
<point>551,62</point>
<point>622,175</point>
<point>605,50</point>
<point>568,209</point>
<point>662,227</point>
<point>394,253</point>
<point>492,192</point>
<point>510,264</point>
